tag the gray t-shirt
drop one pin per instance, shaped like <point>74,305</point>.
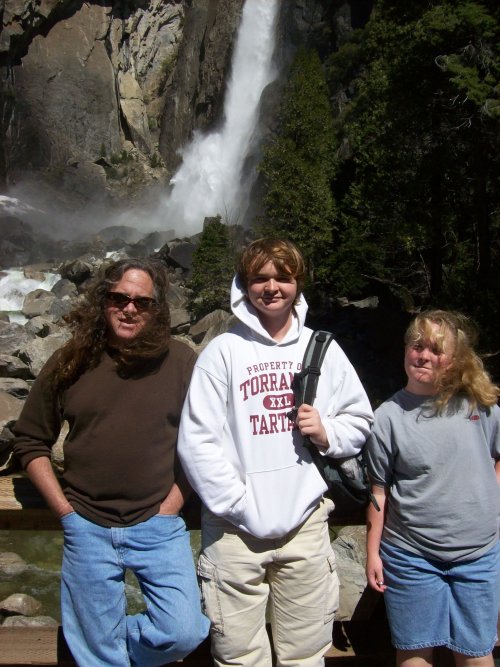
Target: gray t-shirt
<point>444,499</point>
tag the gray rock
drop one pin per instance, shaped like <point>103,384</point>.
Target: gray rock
<point>42,326</point>
<point>64,287</point>
<point>121,233</point>
<point>77,271</point>
<point>351,543</point>
<point>57,453</point>
<point>13,367</point>
<point>38,302</point>
<point>350,553</point>
<point>10,408</point>
<point>20,603</point>
<point>197,83</point>
<point>181,255</point>
<point>11,563</point>
<point>180,320</point>
<point>37,352</point>
<point>15,387</point>
<point>215,319</point>
<point>219,328</point>
<point>12,337</point>
<point>177,296</point>
<point>34,621</point>
<point>352,584</point>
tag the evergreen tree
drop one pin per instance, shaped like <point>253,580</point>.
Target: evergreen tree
<point>213,268</point>
<point>416,183</point>
<point>298,166</point>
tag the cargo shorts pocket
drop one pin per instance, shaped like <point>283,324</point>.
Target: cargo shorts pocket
<point>332,589</point>
<point>210,597</point>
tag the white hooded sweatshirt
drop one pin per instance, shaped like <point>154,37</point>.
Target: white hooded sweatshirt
<point>240,452</point>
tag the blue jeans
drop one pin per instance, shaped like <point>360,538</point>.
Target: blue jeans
<point>438,603</point>
<point>93,603</point>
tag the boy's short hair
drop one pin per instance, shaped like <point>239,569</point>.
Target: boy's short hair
<point>285,256</point>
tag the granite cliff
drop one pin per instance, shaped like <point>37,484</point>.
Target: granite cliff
<point>97,97</point>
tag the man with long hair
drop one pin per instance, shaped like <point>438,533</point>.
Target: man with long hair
<point>119,382</point>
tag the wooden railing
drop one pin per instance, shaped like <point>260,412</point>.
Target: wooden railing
<point>364,641</point>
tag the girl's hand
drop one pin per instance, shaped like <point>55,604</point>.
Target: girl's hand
<point>375,573</point>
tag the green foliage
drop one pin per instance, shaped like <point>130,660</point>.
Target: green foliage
<point>298,166</point>
<point>213,268</point>
<point>415,188</point>
<point>121,158</point>
<point>391,174</point>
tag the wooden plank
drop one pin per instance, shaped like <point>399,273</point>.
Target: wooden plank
<point>34,646</point>
<point>23,508</point>
<point>17,493</point>
<point>46,646</point>
<point>360,643</point>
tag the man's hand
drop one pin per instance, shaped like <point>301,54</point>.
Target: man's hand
<point>173,503</point>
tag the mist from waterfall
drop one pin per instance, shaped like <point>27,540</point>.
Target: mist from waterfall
<point>210,180</point>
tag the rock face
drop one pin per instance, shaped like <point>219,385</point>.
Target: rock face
<point>93,93</point>
<point>194,91</point>
<point>86,83</point>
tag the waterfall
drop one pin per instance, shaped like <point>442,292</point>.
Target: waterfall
<point>209,180</point>
<point>14,286</point>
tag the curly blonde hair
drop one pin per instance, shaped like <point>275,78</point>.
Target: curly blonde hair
<point>466,373</point>
<point>89,328</point>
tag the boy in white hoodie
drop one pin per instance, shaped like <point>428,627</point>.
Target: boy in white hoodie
<point>265,541</point>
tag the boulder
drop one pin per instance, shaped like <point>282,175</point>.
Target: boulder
<point>351,543</point>
<point>17,241</point>
<point>180,320</point>
<point>64,288</point>
<point>181,255</point>
<point>77,271</point>
<point>217,319</point>
<point>10,408</point>
<point>15,387</point>
<point>39,350</point>
<point>221,327</point>
<point>350,552</point>
<point>57,453</point>
<point>352,584</point>
<point>43,326</point>
<point>34,621</point>
<point>12,337</point>
<point>11,563</point>
<point>38,302</point>
<point>177,296</point>
<point>20,603</point>
<point>13,367</point>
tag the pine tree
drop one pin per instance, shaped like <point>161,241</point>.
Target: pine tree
<point>212,268</point>
<point>298,166</point>
<point>419,177</point>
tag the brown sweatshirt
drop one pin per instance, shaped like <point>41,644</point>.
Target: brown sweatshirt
<point>120,452</point>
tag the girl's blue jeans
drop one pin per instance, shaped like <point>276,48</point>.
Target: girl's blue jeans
<point>95,624</point>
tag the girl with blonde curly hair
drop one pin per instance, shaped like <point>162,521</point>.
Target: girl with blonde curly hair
<point>434,462</point>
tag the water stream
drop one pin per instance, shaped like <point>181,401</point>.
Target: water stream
<point>42,552</point>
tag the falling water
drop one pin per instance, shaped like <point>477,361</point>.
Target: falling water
<point>209,181</point>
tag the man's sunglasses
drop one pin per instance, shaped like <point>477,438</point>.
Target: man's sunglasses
<point>121,301</point>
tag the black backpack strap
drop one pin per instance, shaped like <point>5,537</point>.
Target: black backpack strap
<point>311,366</point>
